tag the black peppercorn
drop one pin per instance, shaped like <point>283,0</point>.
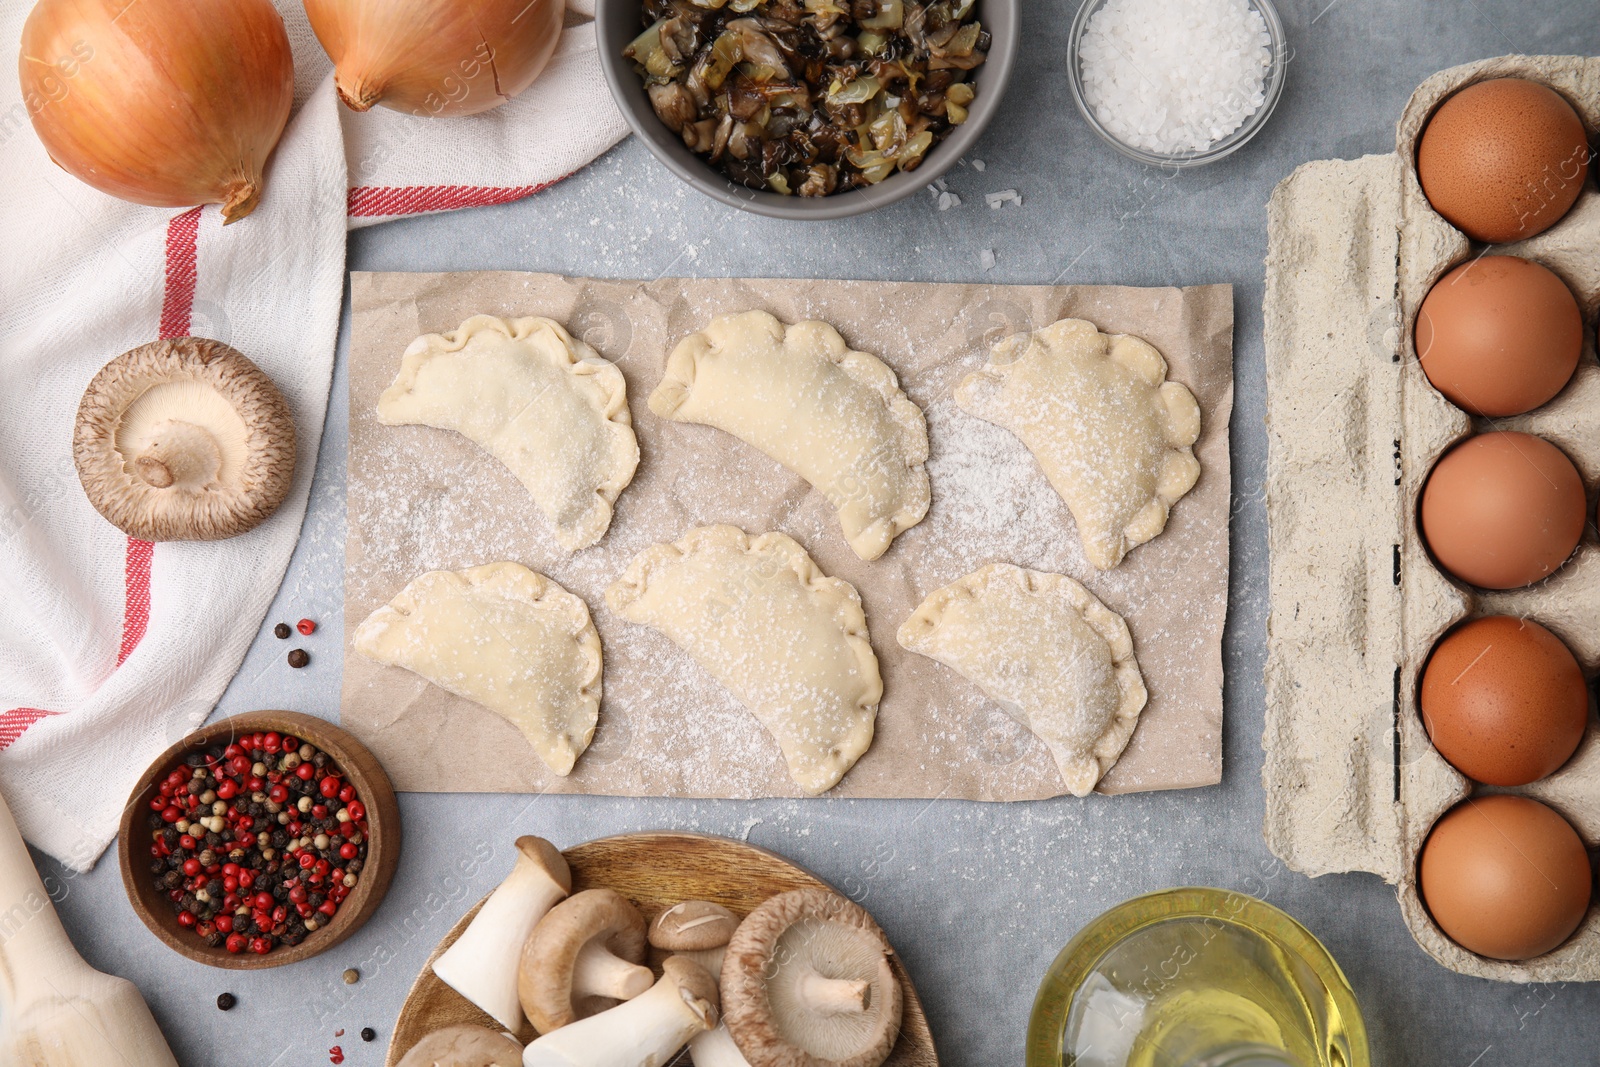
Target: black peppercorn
<point>155,821</point>
<point>281,631</point>
<point>158,867</point>
<point>214,939</point>
<point>298,658</point>
<point>368,1033</point>
<point>226,1001</point>
<point>172,879</point>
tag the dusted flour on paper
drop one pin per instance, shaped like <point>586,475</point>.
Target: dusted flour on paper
<point>420,500</point>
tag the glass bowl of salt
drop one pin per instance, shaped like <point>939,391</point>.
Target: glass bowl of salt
<point>1177,83</point>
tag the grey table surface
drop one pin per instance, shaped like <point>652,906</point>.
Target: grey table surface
<point>977,898</point>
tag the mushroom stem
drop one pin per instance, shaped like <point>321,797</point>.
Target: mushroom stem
<point>482,964</point>
<point>600,973</point>
<point>179,453</point>
<point>834,996</point>
<point>646,1031</point>
<point>716,1048</point>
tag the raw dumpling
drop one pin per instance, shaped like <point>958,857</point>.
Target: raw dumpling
<point>535,398</point>
<point>1060,662</point>
<point>1112,434</point>
<point>504,637</point>
<point>833,416</point>
<point>787,640</point>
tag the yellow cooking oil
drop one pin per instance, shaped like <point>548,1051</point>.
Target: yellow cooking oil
<point>1195,978</point>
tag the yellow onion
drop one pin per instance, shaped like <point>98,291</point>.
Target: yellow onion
<point>162,102</point>
<point>435,57</point>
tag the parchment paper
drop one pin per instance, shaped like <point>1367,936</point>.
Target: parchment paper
<point>422,499</point>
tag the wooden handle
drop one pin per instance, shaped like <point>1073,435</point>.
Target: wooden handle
<point>56,1010</point>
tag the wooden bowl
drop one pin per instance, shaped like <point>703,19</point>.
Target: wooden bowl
<point>383,839</point>
<point>656,870</point>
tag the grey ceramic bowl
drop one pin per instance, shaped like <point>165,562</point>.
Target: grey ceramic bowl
<point>617,22</point>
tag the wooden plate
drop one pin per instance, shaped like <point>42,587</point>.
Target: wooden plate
<point>361,769</point>
<point>655,871</point>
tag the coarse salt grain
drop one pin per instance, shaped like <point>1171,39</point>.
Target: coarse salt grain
<point>1174,76</point>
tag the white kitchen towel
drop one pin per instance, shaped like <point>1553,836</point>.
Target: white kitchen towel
<point>112,648</point>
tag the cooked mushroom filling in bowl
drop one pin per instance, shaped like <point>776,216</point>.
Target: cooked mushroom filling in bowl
<point>810,97</point>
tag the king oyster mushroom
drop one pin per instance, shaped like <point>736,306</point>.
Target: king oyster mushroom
<point>807,983</point>
<point>184,440</point>
<point>699,930</point>
<point>647,1031</point>
<point>464,1046</point>
<point>583,957</point>
<point>482,964</point>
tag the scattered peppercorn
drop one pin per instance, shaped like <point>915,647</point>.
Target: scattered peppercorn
<point>352,976</point>
<point>336,1055</point>
<point>298,658</point>
<point>281,631</point>
<point>246,872</point>
<point>226,1001</point>
<point>368,1033</point>
<point>306,627</point>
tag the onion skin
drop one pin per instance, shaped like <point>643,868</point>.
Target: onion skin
<point>168,103</point>
<point>435,57</point>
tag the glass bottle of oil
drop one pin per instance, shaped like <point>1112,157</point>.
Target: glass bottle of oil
<point>1195,978</point>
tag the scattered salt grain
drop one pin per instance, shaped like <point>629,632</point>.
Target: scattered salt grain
<point>948,201</point>
<point>1004,196</point>
<point>986,258</point>
<point>979,165</point>
<point>1174,76</point>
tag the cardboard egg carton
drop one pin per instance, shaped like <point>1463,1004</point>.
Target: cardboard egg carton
<point>1352,782</point>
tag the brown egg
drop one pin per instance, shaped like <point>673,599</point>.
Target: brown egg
<point>1503,160</point>
<point>1505,877</point>
<point>1503,510</point>
<point>1504,700</point>
<point>1499,335</point>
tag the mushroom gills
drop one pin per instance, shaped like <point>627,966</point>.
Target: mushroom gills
<point>828,998</point>
<point>184,435</point>
<point>647,1031</point>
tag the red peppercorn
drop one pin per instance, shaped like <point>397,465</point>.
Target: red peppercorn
<point>246,822</point>
<point>240,765</point>
<point>230,868</point>
<point>263,921</point>
<point>278,794</point>
<point>175,895</point>
<point>263,901</point>
<point>273,742</point>
<point>260,946</point>
<point>319,811</point>
<point>156,803</point>
<point>307,860</point>
<point>254,785</point>
<point>225,923</point>
<point>306,627</point>
<point>348,851</point>
<point>329,787</point>
<point>357,810</point>
<point>191,866</point>
<point>297,894</point>
<point>187,841</point>
<point>279,914</point>
<point>227,789</point>
<point>328,907</point>
<point>305,771</point>
<point>290,743</point>
<point>236,943</point>
<point>186,918</point>
<point>247,877</point>
<point>171,814</point>
<point>231,751</point>
<point>304,909</point>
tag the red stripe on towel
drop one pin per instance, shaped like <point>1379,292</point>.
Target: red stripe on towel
<point>380,201</point>
<point>177,309</point>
